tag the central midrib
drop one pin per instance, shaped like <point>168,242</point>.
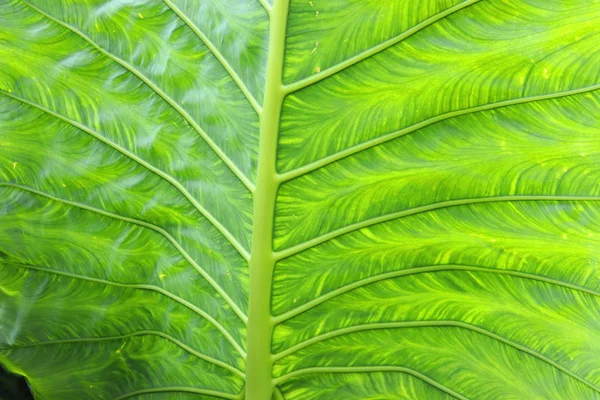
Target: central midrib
<point>259,380</point>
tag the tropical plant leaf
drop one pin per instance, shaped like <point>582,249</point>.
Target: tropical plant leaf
<point>327,199</point>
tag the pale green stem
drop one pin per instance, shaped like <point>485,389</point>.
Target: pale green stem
<point>260,383</point>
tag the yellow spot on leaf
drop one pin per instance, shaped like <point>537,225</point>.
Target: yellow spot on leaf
<point>15,165</point>
<point>545,73</point>
<point>161,276</point>
<point>564,236</point>
<point>318,69</point>
<point>140,15</point>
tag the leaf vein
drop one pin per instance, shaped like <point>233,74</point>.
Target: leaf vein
<point>332,158</point>
<point>152,288</point>
<point>419,270</point>
<point>180,389</point>
<point>413,324</point>
<point>163,175</point>
<point>239,82</point>
<point>147,225</point>
<point>303,83</point>
<point>290,251</point>
<point>163,335</point>
<point>232,166</point>
<point>266,6</point>
<point>369,369</point>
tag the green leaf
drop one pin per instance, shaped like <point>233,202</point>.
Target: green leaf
<point>327,199</point>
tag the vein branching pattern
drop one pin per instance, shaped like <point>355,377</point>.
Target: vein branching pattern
<point>300,200</point>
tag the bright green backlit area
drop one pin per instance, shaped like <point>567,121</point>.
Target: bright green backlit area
<point>300,200</point>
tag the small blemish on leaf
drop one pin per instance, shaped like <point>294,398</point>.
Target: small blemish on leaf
<point>140,15</point>
<point>318,69</point>
<point>545,73</point>
<point>15,165</point>
<point>316,47</point>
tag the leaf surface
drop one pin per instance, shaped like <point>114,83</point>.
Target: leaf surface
<point>300,199</point>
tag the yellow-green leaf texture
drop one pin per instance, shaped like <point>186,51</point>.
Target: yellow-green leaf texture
<point>301,200</point>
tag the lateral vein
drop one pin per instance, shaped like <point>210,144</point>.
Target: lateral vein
<point>163,335</point>
<point>332,158</point>
<point>152,288</point>
<point>147,225</point>
<point>369,369</point>
<point>230,164</point>
<point>422,324</point>
<point>290,251</point>
<point>303,83</point>
<point>181,389</point>
<point>419,270</point>
<point>239,82</point>
<point>163,175</point>
<point>266,6</point>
